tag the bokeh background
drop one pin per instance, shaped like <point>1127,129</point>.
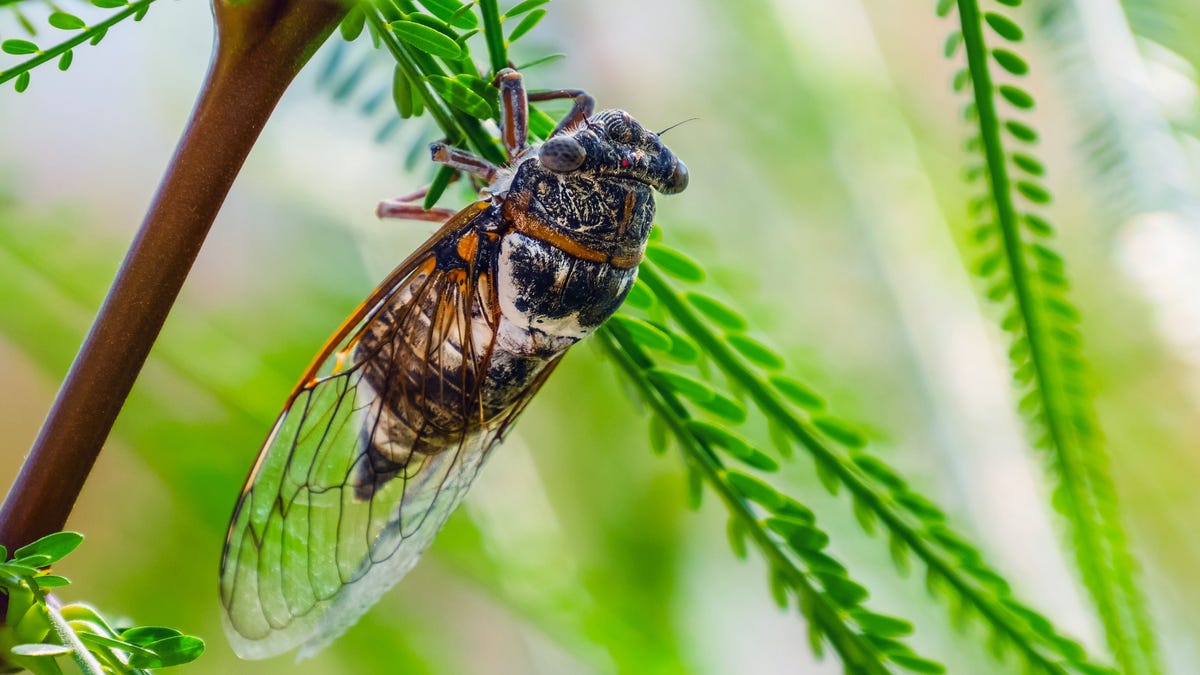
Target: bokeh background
<point>826,203</point>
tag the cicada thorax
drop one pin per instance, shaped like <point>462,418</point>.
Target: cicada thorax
<point>570,256</point>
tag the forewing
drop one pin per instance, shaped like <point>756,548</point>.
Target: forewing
<point>324,524</point>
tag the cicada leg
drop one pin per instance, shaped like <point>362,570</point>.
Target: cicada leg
<point>582,109</point>
<point>514,109</point>
<point>409,208</point>
<point>457,158</point>
<point>403,210</point>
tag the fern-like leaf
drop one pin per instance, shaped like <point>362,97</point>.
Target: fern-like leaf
<point>883,501</point>
<point>788,539</point>
<point>1026,278</point>
<point>63,51</point>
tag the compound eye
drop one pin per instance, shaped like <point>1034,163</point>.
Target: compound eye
<point>562,154</point>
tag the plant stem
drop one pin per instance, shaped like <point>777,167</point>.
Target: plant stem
<point>1104,573</point>
<point>497,51</point>
<point>260,47</point>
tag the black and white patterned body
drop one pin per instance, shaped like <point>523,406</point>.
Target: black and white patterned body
<point>557,252</point>
<point>396,415</point>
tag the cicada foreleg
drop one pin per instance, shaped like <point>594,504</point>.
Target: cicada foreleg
<point>582,109</point>
<point>514,109</point>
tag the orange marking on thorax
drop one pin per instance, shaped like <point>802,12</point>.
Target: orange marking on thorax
<point>627,213</point>
<point>516,211</point>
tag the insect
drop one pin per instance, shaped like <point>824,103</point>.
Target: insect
<point>394,418</point>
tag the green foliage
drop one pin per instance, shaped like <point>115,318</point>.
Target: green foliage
<point>1026,279</point>
<point>883,502</point>
<point>37,632</point>
<point>64,51</point>
<point>783,530</point>
<point>712,331</point>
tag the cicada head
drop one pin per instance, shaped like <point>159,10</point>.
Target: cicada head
<point>612,144</point>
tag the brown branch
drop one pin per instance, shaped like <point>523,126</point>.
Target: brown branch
<point>260,46</point>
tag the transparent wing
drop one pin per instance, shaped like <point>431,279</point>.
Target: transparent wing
<point>374,450</point>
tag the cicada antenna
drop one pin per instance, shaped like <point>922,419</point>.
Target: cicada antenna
<point>690,119</point>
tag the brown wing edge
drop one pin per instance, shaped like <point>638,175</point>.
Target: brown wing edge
<point>351,326</point>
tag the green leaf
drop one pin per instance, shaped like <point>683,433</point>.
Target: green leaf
<point>683,348</point>
<point>961,79</point>
<point>527,24</point>
<point>845,592</point>
<point>65,60</point>
<point>755,490</point>
<point>460,96</point>
<point>402,93</point>
<point>36,561</point>
<point>953,42</point>
<point>1033,192</point>
<point>1010,61</point>
<point>840,431</point>
<point>780,438</point>
<point>801,535</point>
<point>691,388</point>
<point>352,25</point>
<point>733,444</point>
<point>827,475</point>
<point>876,469</point>
<point>644,333</point>
<point>1038,225</point>
<point>865,515</point>
<point>147,635</point>
<point>540,126</point>
<point>944,7</point>
<point>109,4</point>
<point>660,435</point>
<point>880,624</point>
<point>94,639</point>
<point>720,313</point>
<point>441,180</point>
<point>1004,26</point>
<point>41,649</point>
<point>756,351</point>
<point>427,39</point>
<point>797,392</point>
<point>22,82</point>
<point>736,532</point>
<point>639,296</point>
<point>916,664</point>
<point>65,21</point>
<point>452,12</point>
<point>51,581</point>
<point>1016,96</point>
<point>521,8</point>
<point>779,588</point>
<point>674,263</point>
<point>18,47</point>
<point>54,546</point>
<point>1028,164</point>
<point>1021,132</point>
<point>537,62</point>
<point>440,26</point>
<point>171,651</point>
<point>724,407</point>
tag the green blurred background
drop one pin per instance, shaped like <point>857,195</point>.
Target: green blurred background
<point>826,203</point>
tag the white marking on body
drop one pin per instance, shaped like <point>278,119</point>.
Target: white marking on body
<point>520,331</point>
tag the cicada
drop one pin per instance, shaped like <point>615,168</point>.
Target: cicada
<point>391,423</point>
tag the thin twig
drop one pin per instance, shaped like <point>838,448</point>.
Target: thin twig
<point>259,49</point>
